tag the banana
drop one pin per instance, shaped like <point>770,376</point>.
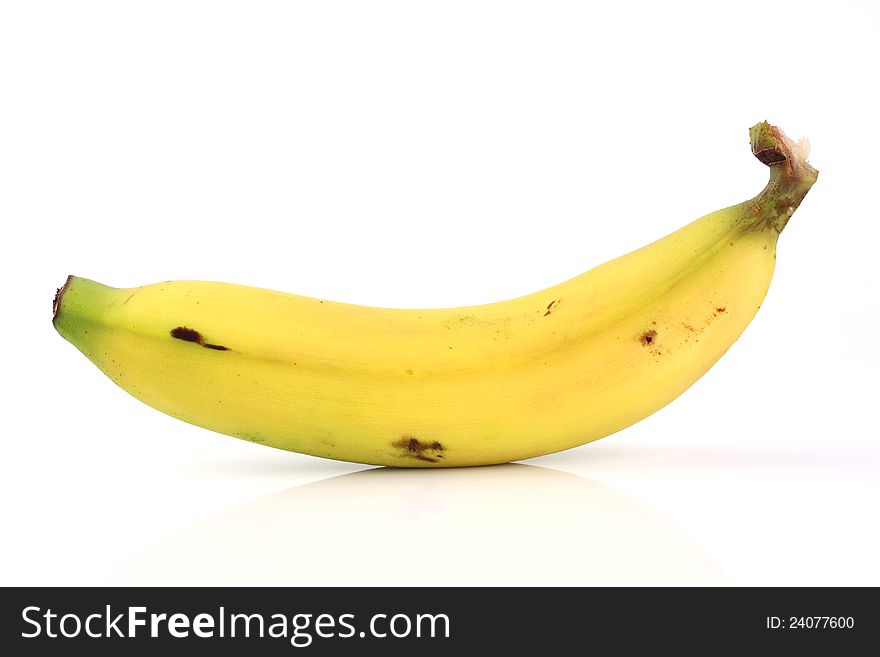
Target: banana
<point>452,386</point>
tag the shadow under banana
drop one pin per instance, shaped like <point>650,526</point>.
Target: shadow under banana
<point>501,525</point>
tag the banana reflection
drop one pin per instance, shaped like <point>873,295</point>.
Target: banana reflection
<point>499,525</point>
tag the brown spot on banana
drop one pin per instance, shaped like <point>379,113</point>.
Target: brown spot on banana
<point>191,335</point>
<point>414,448</point>
<point>648,338</point>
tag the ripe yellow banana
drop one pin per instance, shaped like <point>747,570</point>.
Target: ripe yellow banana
<point>455,386</point>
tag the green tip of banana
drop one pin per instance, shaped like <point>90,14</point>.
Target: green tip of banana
<point>448,387</point>
<point>772,147</point>
<point>791,176</point>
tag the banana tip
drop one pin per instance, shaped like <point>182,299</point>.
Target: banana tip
<point>772,147</point>
<point>56,302</point>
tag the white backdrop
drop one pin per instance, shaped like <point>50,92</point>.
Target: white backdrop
<point>434,154</point>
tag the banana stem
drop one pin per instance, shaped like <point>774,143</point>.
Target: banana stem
<point>791,176</point>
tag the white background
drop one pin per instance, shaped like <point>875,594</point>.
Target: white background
<point>435,154</point>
